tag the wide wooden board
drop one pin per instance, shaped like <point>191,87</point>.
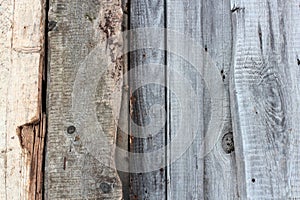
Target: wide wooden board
<point>265,98</point>
<point>84,98</point>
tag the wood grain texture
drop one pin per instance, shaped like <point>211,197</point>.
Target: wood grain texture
<point>210,173</point>
<point>185,174</point>
<point>147,185</point>
<point>122,160</point>
<point>84,91</point>
<point>219,164</point>
<point>31,137</point>
<point>21,61</point>
<point>265,98</point>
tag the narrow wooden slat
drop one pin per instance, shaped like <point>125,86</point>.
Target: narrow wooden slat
<point>219,167</point>
<point>21,63</point>
<point>84,98</point>
<point>185,174</point>
<point>144,184</point>
<point>265,98</point>
<point>202,172</point>
<point>122,159</point>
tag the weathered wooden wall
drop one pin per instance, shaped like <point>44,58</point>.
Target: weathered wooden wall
<point>226,75</point>
<point>245,75</point>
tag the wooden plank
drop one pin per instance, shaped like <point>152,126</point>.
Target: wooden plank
<point>84,98</point>
<point>22,60</point>
<point>145,183</point>
<point>219,167</point>
<point>265,98</point>
<point>122,158</point>
<point>202,172</point>
<point>185,174</point>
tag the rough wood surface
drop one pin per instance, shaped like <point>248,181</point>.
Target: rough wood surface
<point>259,40</point>
<point>186,173</point>
<point>122,159</point>
<point>265,98</point>
<point>202,172</point>
<point>144,184</point>
<point>220,165</point>
<point>84,98</point>
<point>21,61</point>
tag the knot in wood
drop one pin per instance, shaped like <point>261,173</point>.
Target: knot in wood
<point>228,143</point>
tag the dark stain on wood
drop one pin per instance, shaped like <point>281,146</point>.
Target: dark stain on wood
<point>65,163</point>
<point>228,143</point>
<point>51,25</point>
<point>236,9</point>
<point>112,18</point>
<point>260,38</point>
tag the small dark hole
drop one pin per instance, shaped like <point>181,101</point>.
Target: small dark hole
<point>205,48</point>
<point>253,180</point>
<point>298,61</point>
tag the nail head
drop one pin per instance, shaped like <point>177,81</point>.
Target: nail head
<point>71,129</point>
<point>105,187</point>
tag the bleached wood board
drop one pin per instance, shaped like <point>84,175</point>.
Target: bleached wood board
<point>219,165</point>
<point>185,173</point>
<point>21,65</point>
<point>84,98</point>
<point>199,173</point>
<point>265,98</point>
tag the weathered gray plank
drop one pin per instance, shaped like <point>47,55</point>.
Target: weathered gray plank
<point>185,174</point>
<point>265,98</point>
<point>84,91</point>
<point>208,25</point>
<point>219,165</point>
<point>21,64</point>
<point>145,184</point>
